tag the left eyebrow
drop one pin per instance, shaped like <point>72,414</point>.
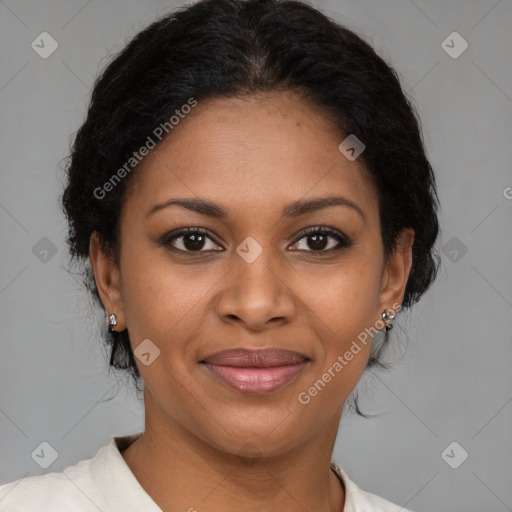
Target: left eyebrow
<point>293,210</point>
<point>303,207</point>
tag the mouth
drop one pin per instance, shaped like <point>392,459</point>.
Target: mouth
<point>255,371</point>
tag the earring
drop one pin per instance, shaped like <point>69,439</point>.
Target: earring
<point>112,322</point>
<point>387,316</point>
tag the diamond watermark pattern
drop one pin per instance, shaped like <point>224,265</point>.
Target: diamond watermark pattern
<point>454,455</point>
<point>44,250</point>
<point>351,147</point>
<point>249,249</point>
<point>45,455</point>
<point>454,45</point>
<point>454,249</point>
<point>44,45</point>
<point>251,454</point>
<point>146,352</point>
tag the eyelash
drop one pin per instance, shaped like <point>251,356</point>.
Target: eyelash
<point>343,241</point>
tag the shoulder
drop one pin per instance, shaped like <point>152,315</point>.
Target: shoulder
<point>359,500</point>
<point>72,489</point>
<point>374,503</point>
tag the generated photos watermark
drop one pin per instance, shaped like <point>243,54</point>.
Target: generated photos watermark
<point>304,397</point>
<point>159,133</point>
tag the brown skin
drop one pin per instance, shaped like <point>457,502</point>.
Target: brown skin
<point>252,156</point>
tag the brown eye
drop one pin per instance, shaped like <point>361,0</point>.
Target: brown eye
<point>321,239</point>
<point>191,240</point>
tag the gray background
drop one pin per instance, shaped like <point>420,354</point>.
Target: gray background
<point>453,383</point>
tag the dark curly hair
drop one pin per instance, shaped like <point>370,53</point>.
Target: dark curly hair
<point>227,48</point>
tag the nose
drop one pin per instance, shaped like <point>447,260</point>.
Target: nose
<point>255,295</point>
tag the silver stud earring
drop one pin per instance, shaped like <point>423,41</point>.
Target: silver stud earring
<point>112,322</point>
<point>387,316</point>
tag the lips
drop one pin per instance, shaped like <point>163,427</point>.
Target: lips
<point>255,371</point>
<point>260,358</point>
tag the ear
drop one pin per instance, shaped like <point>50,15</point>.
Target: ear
<point>396,272</point>
<point>108,281</point>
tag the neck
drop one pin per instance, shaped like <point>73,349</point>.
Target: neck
<point>182,471</point>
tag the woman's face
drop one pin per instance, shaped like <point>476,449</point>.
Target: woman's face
<point>253,279</point>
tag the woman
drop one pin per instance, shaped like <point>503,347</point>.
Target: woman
<point>251,191</point>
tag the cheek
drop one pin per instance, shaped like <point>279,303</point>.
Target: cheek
<point>342,319</point>
<point>343,309</point>
<point>148,293</point>
<point>344,299</point>
<point>163,301</point>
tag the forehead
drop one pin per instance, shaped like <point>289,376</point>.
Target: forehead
<point>258,151</point>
